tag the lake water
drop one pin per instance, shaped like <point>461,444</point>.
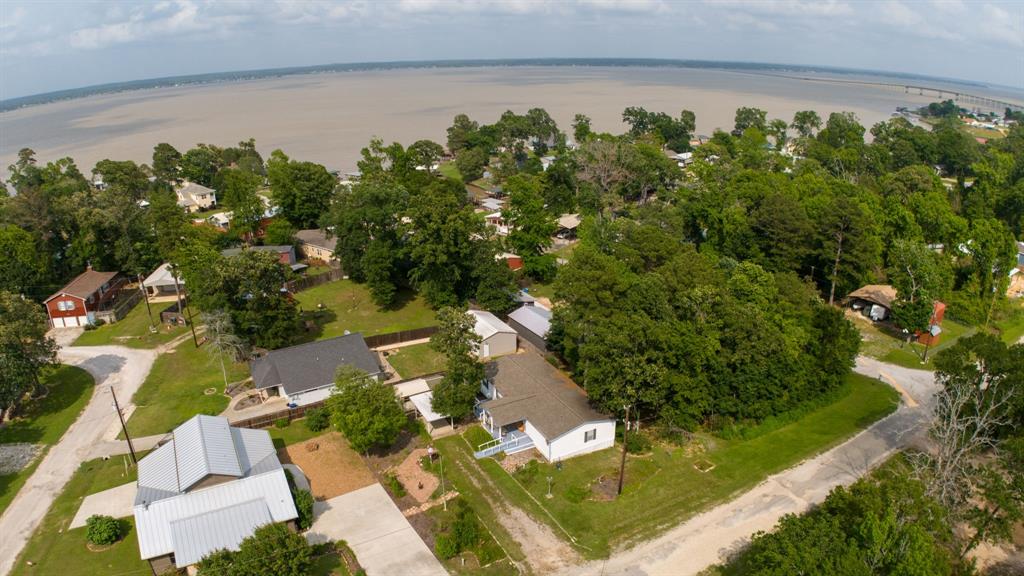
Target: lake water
<point>327,118</point>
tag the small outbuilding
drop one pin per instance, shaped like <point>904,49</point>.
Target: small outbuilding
<point>162,283</point>
<point>874,300</point>
<point>532,322</point>
<point>496,337</point>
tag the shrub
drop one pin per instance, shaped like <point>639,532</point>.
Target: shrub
<point>466,528</point>
<point>637,443</point>
<point>396,486</point>
<point>304,505</point>
<point>102,530</point>
<point>527,473</point>
<point>445,546</point>
<point>317,419</point>
<point>576,494</point>
<point>281,423</point>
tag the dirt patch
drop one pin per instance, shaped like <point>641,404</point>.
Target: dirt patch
<point>331,466</point>
<point>605,488</point>
<point>419,483</point>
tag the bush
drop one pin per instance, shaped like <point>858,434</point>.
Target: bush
<point>445,546</point>
<point>304,505</point>
<point>100,322</point>
<point>396,486</point>
<point>577,494</point>
<point>102,530</point>
<point>636,442</point>
<point>527,473</point>
<point>466,528</point>
<point>281,423</point>
<point>317,419</point>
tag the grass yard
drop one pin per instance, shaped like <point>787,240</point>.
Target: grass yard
<point>133,330</point>
<point>881,345</point>
<point>417,360</point>
<point>175,389</point>
<point>53,549</point>
<point>450,170</point>
<point>44,421</point>
<point>1011,329</point>
<point>293,433</point>
<point>486,557</point>
<point>347,306</point>
<point>664,487</point>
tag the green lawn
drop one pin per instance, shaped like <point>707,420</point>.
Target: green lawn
<point>450,170</point>
<point>417,360</point>
<point>292,434</point>
<point>347,306</point>
<point>1011,328</point>
<point>538,290</point>
<point>887,348</point>
<point>175,389</point>
<point>53,549</point>
<point>664,488</point>
<point>133,330</point>
<point>45,421</point>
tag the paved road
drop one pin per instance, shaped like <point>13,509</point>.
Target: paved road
<point>123,368</point>
<point>711,537</point>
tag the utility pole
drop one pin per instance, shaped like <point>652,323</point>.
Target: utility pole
<point>177,290</point>
<point>145,297</point>
<point>622,465</point>
<point>117,407</point>
<point>444,501</point>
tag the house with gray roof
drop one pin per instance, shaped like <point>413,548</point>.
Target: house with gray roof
<point>209,487</point>
<point>304,374</point>
<point>316,245</point>
<point>531,404</point>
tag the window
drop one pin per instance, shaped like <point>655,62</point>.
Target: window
<point>65,305</point>
<point>590,435</point>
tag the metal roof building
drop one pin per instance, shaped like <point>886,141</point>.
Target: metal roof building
<point>206,489</point>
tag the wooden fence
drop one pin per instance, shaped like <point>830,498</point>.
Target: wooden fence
<point>307,282</point>
<point>392,338</point>
<point>120,305</point>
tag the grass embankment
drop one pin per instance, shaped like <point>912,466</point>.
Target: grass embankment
<point>348,306</point>
<point>450,170</point>
<point>44,421</point>
<point>417,360</point>
<point>53,549</point>
<point>176,387</point>
<point>133,330</point>
<point>888,348</point>
<point>663,487</point>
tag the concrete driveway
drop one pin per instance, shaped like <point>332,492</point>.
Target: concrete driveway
<point>383,540</point>
<point>118,502</point>
<point>123,368</point>
<point>710,538</point>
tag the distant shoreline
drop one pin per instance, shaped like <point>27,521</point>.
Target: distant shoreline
<point>269,73</point>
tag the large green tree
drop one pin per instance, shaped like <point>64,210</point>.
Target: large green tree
<point>365,410</point>
<point>272,550</point>
<point>531,226</point>
<point>302,190</point>
<point>455,395</point>
<point>25,349</point>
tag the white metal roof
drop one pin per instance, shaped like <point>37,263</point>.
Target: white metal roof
<point>196,536</point>
<point>411,388</point>
<point>424,404</point>
<point>204,446</point>
<point>154,521</point>
<point>488,324</point>
<point>569,221</point>
<point>534,318</point>
<point>162,277</point>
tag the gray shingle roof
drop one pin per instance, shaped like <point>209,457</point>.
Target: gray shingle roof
<point>533,390</point>
<point>316,237</point>
<point>313,365</point>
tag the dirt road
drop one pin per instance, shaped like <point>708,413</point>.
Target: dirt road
<point>123,368</point>
<point>711,537</point>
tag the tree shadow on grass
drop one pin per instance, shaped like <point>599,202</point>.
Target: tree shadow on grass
<point>64,387</point>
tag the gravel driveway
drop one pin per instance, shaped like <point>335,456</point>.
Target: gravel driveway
<point>711,537</point>
<point>123,368</point>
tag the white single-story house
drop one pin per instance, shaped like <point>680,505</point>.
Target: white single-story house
<point>533,322</point>
<point>315,245</point>
<point>496,337</point>
<point>207,489</point>
<point>531,404</point>
<point>161,282</point>
<point>304,374</point>
<point>497,221</point>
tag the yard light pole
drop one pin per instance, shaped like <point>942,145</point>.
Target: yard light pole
<point>622,464</point>
<point>549,487</point>
<point>117,407</point>
<point>149,311</point>
<point>440,463</point>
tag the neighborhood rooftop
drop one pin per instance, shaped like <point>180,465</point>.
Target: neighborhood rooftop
<point>534,391</point>
<point>309,366</point>
<point>488,324</point>
<point>207,489</point>
<point>316,237</point>
<point>275,249</point>
<point>536,319</point>
<point>881,294</point>
<point>85,284</point>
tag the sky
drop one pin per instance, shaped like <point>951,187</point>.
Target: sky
<point>54,45</point>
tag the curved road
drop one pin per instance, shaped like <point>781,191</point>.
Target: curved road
<point>711,537</point>
<point>123,368</point>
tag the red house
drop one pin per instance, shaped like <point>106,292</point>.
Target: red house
<point>77,303</point>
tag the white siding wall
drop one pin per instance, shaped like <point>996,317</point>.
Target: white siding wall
<point>538,439</point>
<point>497,345</point>
<point>571,443</point>
<point>311,396</point>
